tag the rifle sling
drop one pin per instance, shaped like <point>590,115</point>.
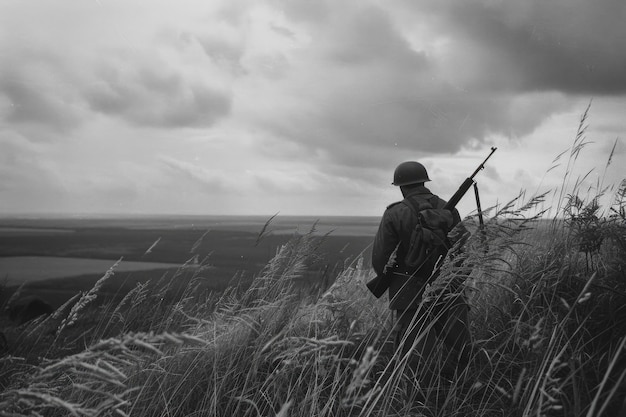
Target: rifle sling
<point>415,206</point>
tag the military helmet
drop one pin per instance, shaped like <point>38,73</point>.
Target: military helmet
<point>410,172</point>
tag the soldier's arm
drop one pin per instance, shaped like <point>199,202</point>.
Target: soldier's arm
<point>385,243</point>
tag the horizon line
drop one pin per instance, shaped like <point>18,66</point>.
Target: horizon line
<point>26,216</point>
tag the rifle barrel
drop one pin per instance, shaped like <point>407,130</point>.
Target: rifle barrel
<point>482,166</point>
<point>454,200</point>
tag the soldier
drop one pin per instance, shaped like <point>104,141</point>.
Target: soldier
<point>406,283</point>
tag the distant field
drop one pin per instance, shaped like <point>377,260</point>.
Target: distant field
<point>338,225</point>
<point>17,231</point>
<point>62,255</point>
<point>19,269</point>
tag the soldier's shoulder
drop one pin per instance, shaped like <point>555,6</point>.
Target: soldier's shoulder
<point>392,205</point>
<point>397,210</point>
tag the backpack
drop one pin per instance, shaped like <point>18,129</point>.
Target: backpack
<point>429,242</point>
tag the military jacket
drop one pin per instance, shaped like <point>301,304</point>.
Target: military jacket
<point>394,231</point>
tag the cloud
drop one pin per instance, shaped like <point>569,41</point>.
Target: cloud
<point>374,85</point>
<point>367,36</point>
<point>361,93</point>
<point>313,103</point>
<point>29,98</point>
<point>306,10</point>
<point>237,179</point>
<point>109,64</point>
<point>224,49</point>
<point>571,46</point>
<point>156,97</point>
<point>209,180</point>
<point>254,180</point>
<point>28,183</point>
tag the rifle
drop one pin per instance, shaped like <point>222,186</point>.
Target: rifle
<point>454,200</point>
<point>379,284</point>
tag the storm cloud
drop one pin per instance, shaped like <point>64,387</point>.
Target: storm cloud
<point>30,95</point>
<point>571,46</point>
<point>188,105</point>
<point>380,96</point>
<point>149,97</point>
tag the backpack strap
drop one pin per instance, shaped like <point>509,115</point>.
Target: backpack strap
<point>417,206</point>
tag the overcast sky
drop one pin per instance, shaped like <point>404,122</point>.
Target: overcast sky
<point>299,106</point>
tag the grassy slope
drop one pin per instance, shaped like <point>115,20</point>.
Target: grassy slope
<point>548,329</point>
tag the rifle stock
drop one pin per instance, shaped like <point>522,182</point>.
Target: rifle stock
<point>454,200</point>
<point>378,286</point>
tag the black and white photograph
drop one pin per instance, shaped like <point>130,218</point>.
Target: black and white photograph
<point>313,208</point>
